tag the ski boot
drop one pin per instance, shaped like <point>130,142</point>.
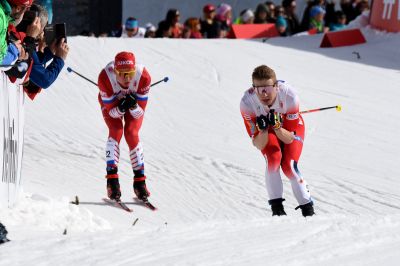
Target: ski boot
<point>140,189</point>
<point>3,234</point>
<point>306,209</point>
<point>113,188</point>
<point>277,207</point>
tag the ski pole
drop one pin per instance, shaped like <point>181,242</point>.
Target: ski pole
<point>162,80</point>
<point>82,76</point>
<point>337,107</point>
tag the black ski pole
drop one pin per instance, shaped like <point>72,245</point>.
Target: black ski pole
<point>82,76</point>
<point>162,80</point>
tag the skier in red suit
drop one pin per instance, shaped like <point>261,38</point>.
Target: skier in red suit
<point>270,110</point>
<point>124,86</point>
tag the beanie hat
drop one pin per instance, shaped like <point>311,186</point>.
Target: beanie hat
<point>246,15</point>
<point>222,9</point>
<point>20,2</point>
<point>281,22</point>
<point>208,8</point>
<point>150,27</point>
<point>131,23</point>
<point>316,10</point>
<point>124,61</point>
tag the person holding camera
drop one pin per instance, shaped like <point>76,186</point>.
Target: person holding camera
<point>270,110</point>
<point>40,75</point>
<point>22,67</point>
<point>124,86</point>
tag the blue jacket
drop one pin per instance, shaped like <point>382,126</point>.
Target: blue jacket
<point>45,76</point>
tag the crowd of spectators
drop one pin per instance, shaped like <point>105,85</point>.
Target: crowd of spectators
<point>25,56</point>
<point>319,16</point>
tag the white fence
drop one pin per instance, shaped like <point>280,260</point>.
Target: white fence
<point>11,139</point>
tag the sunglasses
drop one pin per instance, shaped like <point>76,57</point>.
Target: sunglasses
<point>124,74</point>
<point>264,89</point>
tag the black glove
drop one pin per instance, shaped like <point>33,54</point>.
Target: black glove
<point>126,103</point>
<point>262,122</point>
<point>131,101</point>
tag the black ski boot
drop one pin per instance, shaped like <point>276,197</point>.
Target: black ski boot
<point>113,188</point>
<point>306,209</point>
<point>277,207</point>
<point>3,234</point>
<point>140,189</point>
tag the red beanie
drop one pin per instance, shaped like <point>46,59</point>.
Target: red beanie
<point>124,61</point>
<point>20,2</point>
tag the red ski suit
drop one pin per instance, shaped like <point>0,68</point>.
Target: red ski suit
<point>110,94</point>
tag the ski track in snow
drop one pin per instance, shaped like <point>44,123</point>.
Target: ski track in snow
<point>204,175</point>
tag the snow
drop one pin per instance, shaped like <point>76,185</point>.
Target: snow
<point>206,178</point>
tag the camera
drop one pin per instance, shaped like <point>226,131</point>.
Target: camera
<point>29,17</point>
<point>55,32</point>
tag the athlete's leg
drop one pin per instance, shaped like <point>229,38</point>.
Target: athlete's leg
<point>290,157</point>
<point>272,154</point>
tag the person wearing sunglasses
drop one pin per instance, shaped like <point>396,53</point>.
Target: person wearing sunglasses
<point>124,86</point>
<point>132,29</point>
<point>270,110</point>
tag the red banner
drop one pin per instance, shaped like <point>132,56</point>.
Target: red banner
<point>385,15</point>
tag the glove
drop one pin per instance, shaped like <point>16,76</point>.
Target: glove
<point>131,102</point>
<point>121,105</point>
<point>274,119</point>
<point>126,103</point>
<point>262,122</point>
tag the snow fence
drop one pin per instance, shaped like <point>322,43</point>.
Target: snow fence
<point>11,139</point>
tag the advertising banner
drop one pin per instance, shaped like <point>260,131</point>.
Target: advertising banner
<point>385,15</point>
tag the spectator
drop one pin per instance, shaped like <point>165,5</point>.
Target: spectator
<point>48,5</point>
<point>42,76</point>
<point>330,15</point>
<point>3,234</point>
<point>291,17</point>
<point>209,27</point>
<point>348,7</point>
<point>150,31</point>
<point>132,29</point>
<point>12,10</point>
<point>362,6</point>
<point>223,19</point>
<point>261,14</point>
<point>18,8</point>
<point>339,23</point>
<point>193,27</point>
<point>246,17</point>
<point>305,21</point>
<point>280,11</point>
<point>117,32</point>
<point>170,27</point>
<point>317,14</point>
<point>272,11</point>
<point>281,26</point>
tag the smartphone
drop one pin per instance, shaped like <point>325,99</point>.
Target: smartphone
<point>55,32</point>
